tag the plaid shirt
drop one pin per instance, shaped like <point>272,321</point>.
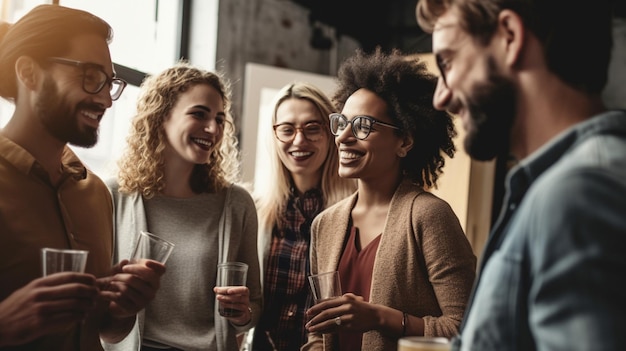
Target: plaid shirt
<point>287,293</point>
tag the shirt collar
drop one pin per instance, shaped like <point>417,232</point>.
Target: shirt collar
<point>527,170</point>
<point>24,162</point>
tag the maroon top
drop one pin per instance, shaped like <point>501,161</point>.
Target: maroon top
<point>355,272</point>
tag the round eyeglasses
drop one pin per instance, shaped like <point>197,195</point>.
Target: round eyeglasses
<point>361,125</point>
<point>286,132</point>
<point>94,77</point>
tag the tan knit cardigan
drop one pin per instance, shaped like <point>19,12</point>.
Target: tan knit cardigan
<point>424,265</point>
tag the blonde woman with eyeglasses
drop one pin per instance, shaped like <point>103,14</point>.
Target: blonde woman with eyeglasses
<point>303,168</point>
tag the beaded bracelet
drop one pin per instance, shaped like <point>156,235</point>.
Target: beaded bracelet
<point>404,316</point>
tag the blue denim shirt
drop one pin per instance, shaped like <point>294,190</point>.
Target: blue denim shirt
<point>553,269</point>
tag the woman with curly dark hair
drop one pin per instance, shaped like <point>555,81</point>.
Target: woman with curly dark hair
<point>405,264</point>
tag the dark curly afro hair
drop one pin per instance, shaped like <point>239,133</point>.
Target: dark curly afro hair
<point>407,87</point>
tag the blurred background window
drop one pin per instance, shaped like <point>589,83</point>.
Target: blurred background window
<point>148,36</point>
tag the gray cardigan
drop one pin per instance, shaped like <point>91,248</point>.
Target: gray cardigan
<point>130,219</point>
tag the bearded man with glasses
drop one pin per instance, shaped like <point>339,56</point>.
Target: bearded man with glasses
<point>56,68</point>
<point>527,91</point>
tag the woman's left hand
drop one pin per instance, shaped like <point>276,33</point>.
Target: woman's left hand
<point>235,300</point>
<point>348,312</point>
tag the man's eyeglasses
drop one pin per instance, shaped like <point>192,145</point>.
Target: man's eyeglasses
<point>94,77</point>
<point>361,125</point>
<point>286,132</point>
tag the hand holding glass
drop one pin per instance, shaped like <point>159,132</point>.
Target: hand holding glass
<point>62,260</point>
<point>325,286</point>
<point>231,274</point>
<point>150,246</point>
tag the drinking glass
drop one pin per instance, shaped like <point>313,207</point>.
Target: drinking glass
<point>150,246</point>
<point>231,274</point>
<point>63,260</point>
<point>325,286</point>
<point>423,343</point>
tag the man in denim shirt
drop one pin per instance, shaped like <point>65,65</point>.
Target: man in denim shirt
<point>526,77</point>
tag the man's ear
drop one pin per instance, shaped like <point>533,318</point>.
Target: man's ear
<point>407,145</point>
<point>513,27</point>
<point>27,72</point>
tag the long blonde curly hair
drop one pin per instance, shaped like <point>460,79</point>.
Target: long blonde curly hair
<point>141,167</point>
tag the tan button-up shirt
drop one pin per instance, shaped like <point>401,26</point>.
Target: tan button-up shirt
<point>34,214</point>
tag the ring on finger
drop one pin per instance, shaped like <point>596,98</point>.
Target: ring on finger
<point>338,320</point>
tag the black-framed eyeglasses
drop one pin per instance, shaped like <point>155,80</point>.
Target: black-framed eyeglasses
<point>94,77</point>
<point>361,125</point>
<point>286,132</point>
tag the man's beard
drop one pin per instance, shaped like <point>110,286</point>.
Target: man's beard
<point>61,120</point>
<point>492,111</point>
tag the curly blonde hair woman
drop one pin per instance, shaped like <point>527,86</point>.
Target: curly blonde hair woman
<point>176,181</point>
<point>141,166</point>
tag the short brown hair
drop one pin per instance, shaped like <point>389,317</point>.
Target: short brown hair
<point>576,54</point>
<point>43,32</point>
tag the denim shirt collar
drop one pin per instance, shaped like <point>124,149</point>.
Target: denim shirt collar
<point>522,175</point>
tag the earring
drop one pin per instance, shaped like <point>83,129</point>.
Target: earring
<point>401,153</point>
